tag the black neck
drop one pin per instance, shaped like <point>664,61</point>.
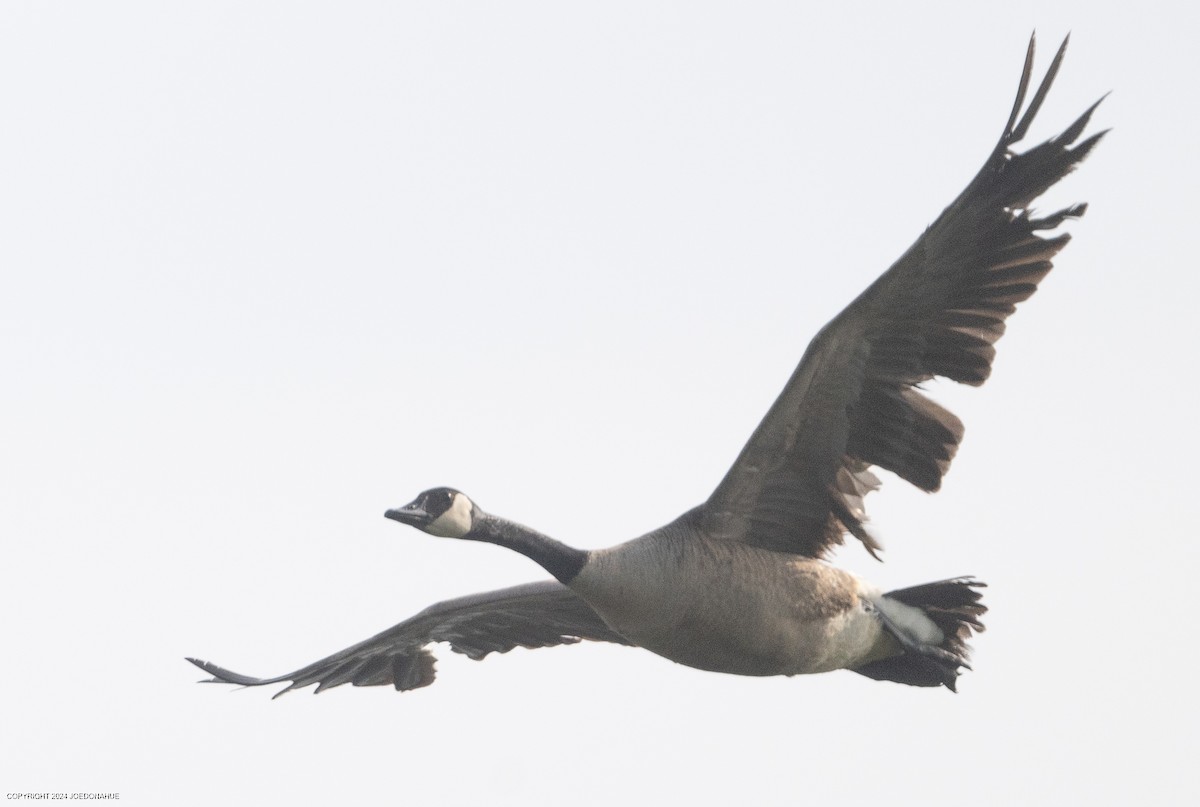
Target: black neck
<point>562,561</point>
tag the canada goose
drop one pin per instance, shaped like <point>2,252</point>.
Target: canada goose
<point>739,583</point>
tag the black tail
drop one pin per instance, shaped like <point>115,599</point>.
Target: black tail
<point>955,607</point>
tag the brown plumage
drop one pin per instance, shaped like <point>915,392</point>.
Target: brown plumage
<point>739,584</point>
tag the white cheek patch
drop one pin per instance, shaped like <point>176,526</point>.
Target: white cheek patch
<point>455,522</point>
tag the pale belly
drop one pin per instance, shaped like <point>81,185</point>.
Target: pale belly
<point>735,609</point>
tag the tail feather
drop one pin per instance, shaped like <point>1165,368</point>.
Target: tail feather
<point>955,606</point>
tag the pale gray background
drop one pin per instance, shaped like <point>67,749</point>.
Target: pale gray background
<point>271,268</point>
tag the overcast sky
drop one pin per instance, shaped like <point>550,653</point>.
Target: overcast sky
<point>272,268</point>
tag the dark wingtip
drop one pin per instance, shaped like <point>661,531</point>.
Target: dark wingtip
<point>1015,135</point>
<point>220,675</point>
<point>1022,87</point>
<point>204,665</point>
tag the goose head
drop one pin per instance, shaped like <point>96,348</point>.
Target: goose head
<point>444,512</point>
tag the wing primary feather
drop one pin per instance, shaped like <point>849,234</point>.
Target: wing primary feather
<point>1023,86</point>
<point>1072,132</point>
<point>1038,97</point>
<point>220,675</point>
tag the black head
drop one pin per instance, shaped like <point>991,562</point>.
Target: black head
<point>444,512</point>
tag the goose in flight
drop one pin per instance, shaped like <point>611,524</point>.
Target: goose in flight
<point>739,584</point>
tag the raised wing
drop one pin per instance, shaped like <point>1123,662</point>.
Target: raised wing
<point>852,403</point>
<point>541,614</point>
